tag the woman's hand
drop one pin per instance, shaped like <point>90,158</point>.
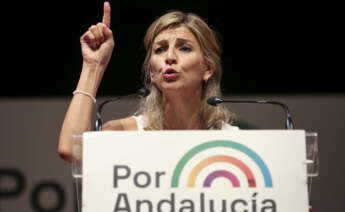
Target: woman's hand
<point>97,43</point>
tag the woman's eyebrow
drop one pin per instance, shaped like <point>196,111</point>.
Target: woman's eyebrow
<point>183,40</point>
<point>161,42</point>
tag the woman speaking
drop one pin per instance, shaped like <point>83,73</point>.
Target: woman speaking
<point>182,70</point>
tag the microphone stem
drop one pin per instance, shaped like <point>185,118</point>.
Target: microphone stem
<point>98,123</point>
<point>289,123</point>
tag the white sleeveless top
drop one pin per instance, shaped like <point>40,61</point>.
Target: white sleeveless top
<point>140,124</point>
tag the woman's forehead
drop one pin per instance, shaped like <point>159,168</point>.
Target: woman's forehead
<point>181,33</point>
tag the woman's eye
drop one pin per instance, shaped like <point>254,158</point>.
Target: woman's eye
<point>186,49</point>
<point>159,50</point>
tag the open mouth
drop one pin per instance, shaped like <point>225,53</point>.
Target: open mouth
<point>170,71</point>
<point>170,74</point>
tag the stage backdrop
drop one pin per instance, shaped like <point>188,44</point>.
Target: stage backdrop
<point>33,177</point>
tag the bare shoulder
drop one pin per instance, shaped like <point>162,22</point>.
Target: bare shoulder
<point>128,123</point>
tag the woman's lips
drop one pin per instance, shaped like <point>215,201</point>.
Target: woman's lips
<point>170,74</point>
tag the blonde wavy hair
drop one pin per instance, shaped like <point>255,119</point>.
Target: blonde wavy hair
<point>152,106</point>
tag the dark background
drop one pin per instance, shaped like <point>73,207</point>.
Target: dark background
<point>269,46</point>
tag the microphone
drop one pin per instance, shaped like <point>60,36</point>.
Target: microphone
<point>215,101</point>
<point>143,92</point>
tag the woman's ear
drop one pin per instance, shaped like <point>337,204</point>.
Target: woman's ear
<point>209,71</point>
<point>152,76</point>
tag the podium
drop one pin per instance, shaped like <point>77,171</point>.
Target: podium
<point>201,171</point>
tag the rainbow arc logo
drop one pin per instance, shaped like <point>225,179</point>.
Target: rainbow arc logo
<point>222,172</point>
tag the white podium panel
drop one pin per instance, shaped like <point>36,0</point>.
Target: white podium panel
<point>195,171</point>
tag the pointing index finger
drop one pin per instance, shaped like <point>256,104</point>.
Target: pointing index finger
<point>106,14</point>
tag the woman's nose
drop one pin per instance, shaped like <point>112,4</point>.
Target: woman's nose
<point>170,57</point>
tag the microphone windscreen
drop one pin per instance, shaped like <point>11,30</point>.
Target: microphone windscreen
<point>144,92</point>
<point>212,101</point>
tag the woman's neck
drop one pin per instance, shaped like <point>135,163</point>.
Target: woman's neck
<point>182,112</point>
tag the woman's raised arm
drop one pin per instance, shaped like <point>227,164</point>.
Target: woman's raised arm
<point>97,45</point>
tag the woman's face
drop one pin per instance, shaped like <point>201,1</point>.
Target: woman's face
<point>177,62</point>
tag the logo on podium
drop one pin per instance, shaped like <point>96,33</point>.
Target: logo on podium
<point>221,173</point>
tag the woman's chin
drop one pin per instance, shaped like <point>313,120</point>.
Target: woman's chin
<point>171,86</point>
